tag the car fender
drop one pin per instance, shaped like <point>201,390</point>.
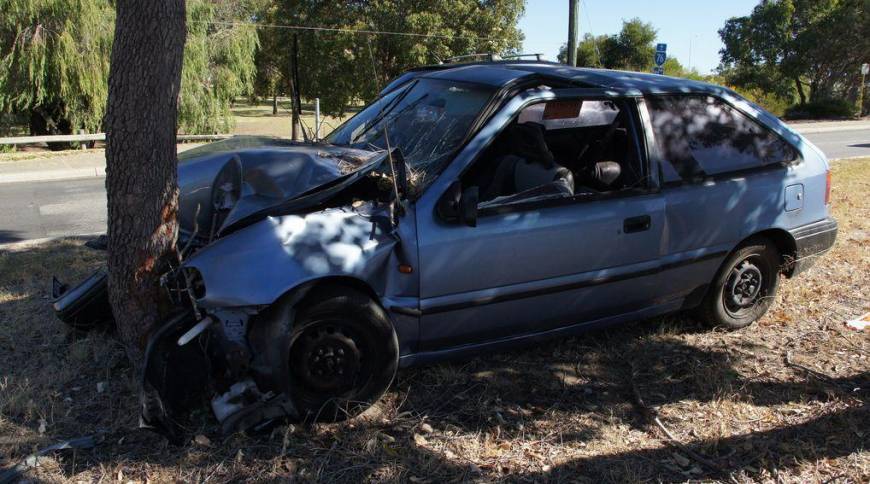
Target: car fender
<point>258,264</point>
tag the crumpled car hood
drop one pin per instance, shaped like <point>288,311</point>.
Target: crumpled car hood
<point>223,182</point>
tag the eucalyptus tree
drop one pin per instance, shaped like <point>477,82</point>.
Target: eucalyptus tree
<point>813,48</point>
<point>342,66</point>
<point>632,48</point>
<point>141,163</point>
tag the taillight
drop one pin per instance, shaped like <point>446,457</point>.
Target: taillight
<point>828,188</point>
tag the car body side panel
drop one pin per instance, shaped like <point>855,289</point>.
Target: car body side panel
<point>719,213</point>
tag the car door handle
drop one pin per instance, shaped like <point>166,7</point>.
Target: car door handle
<point>636,224</point>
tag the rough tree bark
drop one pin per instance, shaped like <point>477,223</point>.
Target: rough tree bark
<point>800,90</point>
<point>141,161</point>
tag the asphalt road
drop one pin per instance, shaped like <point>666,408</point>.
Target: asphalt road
<point>842,144</point>
<point>35,210</point>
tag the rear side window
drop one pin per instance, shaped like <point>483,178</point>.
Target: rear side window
<point>700,136</point>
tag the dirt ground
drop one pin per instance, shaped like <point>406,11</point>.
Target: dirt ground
<point>785,400</point>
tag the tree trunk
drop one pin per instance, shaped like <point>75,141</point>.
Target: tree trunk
<point>275,103</point>
<point>295,127</point>
<point>800,89</point>
<point>141,162</point>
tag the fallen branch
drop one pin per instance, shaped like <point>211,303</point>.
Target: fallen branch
<point>842,386</point>
<point>14,473</point>
<point>813,373</point>
<point>652,414</point>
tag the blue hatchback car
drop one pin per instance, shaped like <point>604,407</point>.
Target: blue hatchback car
<point>471,207</point>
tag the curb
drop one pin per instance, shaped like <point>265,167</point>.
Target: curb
<point>67,174</point>
<point>829,129</point>
<point>29,243</point>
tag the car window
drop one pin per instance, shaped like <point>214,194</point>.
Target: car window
<point>560,149</point>
<point>700,136</point>
<point>570,114</point>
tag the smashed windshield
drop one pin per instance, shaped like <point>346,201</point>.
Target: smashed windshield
<point>427,119</point>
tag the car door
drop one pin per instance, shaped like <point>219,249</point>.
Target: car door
<point>532,267</point>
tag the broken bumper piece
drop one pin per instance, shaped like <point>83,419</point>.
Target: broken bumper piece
<point>85,306</point>
<point>186,361</point>
<point>244,408</point>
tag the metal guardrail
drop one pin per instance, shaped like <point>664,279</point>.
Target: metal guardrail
<point>70,138</point>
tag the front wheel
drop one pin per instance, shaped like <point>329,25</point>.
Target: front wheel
<point>744,288</point>
<point>343,355</point>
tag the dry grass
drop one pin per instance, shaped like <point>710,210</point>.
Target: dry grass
<point>561,411</point>
<point>257,119</point>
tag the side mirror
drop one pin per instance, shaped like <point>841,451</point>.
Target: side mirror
<point>459,206</point>
<point>448,204</point>
<point>468,206</point>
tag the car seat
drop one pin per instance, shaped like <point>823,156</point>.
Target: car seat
<point>526,164</point>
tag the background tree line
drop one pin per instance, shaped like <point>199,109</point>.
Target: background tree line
<point>800,58</point>
<point>54,54</point>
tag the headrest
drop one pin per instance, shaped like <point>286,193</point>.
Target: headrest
<point>527,141</point>
<point>606,172</point>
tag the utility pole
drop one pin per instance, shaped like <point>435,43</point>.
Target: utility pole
<point>294,114</point>
<point>573,30</point>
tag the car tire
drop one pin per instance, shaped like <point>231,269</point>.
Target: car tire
<point>744,288</point>
<point>343,355</point>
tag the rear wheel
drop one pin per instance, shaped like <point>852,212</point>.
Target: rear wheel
<point>745,287</point>
<point>342,357</point>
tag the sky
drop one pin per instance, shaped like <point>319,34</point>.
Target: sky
<point>690,28</point>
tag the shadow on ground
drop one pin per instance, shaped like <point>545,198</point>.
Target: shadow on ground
<point>10,236</point>
<point>560,411</point>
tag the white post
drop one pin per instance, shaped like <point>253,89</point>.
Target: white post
<point>317,119</point>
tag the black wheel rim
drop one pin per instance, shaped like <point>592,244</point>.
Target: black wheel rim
<point>745,287</point>
<point>328,359</point>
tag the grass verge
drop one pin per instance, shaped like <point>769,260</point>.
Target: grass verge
<point>785,400</point>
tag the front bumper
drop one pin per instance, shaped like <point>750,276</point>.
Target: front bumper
<point>811,241</point>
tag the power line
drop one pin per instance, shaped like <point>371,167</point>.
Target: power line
<point>347,31</point>
<point>594,40</point>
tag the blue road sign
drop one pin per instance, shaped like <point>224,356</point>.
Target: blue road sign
<point>661,57</point>
<point>661,47</point>
<point>658,70</point>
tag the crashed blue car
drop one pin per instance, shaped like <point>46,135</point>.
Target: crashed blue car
<point>469,207</point>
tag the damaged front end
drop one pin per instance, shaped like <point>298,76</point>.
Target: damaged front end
<point>264,231</point>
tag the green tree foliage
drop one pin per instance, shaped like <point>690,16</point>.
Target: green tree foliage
<point>218,63</point>
<point>54,62</point>
<point>813,48</point>
<point>674,68</point>
<point>631,49</point>
<point>588,50</point>
<point>343,67</point>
